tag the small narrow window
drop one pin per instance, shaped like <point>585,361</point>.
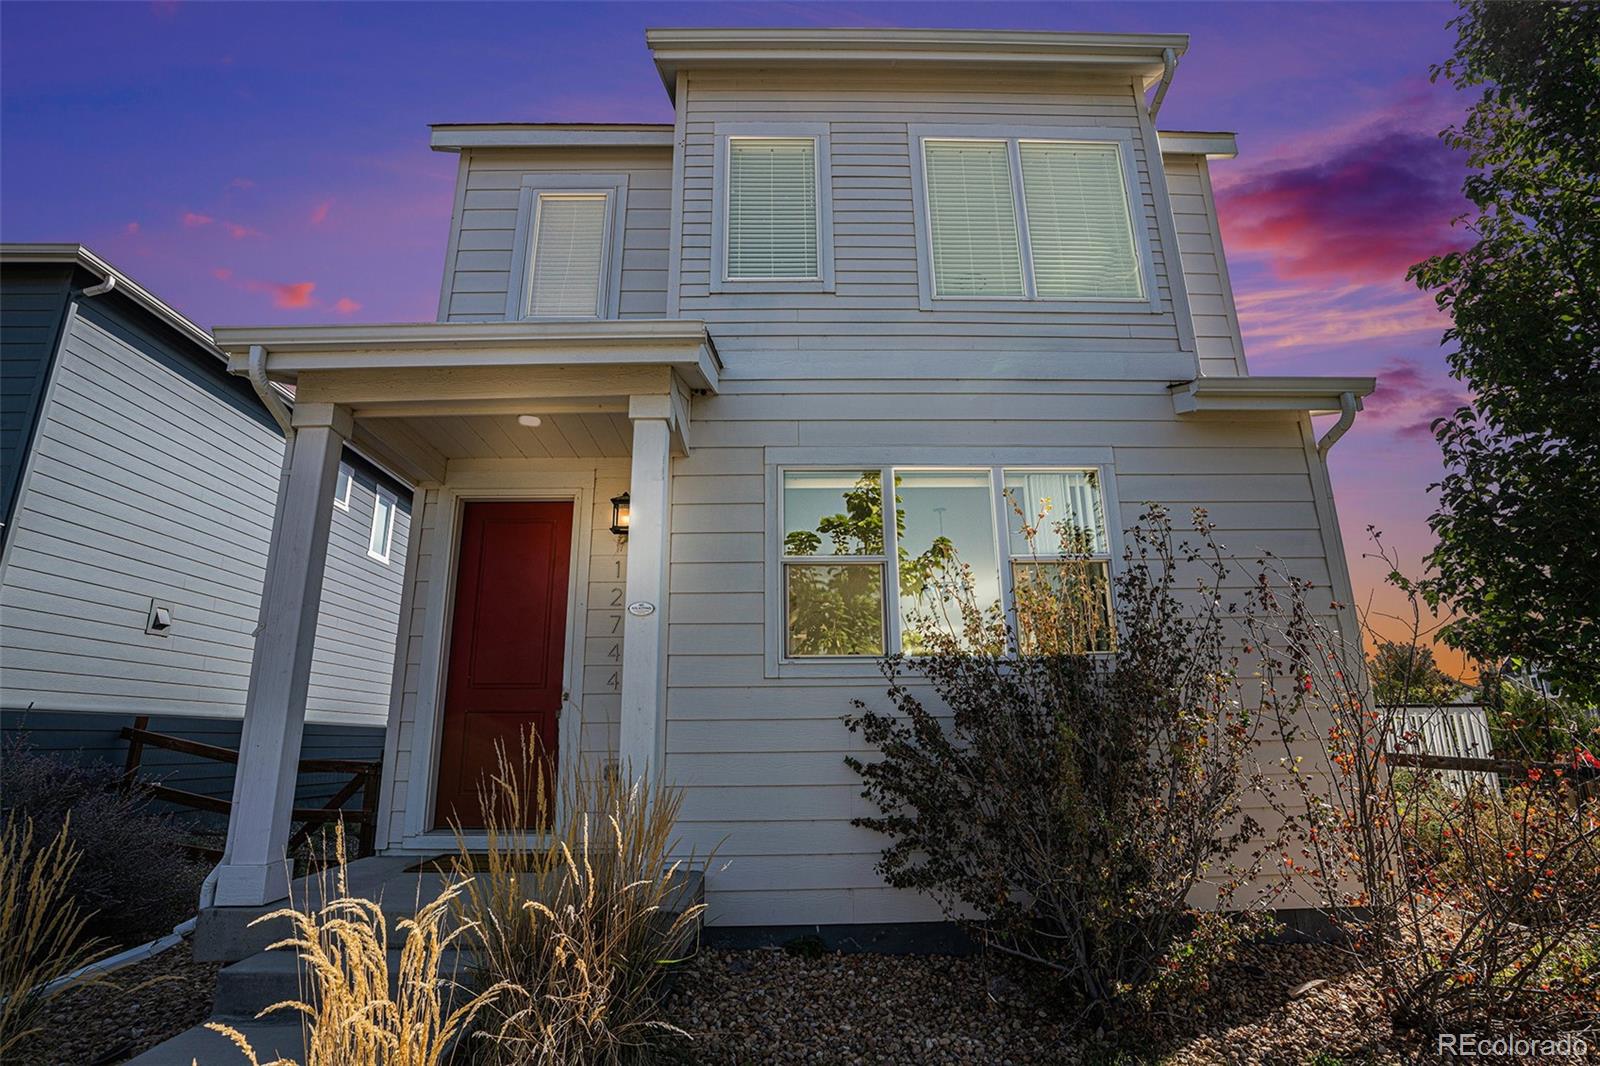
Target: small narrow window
<point>772,208</point>
<point>1080,235</point>
<point>569,255</point>
<point>382,537</point>
<point>833,563</point>
<point>1060,560</point>
<point>972,215</point>
<point>341,489</point>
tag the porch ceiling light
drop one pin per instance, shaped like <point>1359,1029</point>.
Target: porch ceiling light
<point>619,515</point>
<point>531,421</point>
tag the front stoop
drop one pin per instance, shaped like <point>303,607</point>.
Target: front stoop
<point>255,978</point>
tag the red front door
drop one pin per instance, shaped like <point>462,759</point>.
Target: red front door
<point>507,640</point>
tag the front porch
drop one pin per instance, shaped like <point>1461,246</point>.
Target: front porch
<point>516,436</point>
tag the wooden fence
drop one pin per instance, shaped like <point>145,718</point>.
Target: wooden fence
<point>364,779</point>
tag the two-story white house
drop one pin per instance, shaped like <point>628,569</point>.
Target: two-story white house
<point>936,263</point>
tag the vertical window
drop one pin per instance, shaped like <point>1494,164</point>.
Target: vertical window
<point>342,488</point>
<point>772,208</point>
<point>947,551</point>
<point>569,254</point>
<point>834,557</point>
<point>382,536</point>
<point>1029,219</point>
<point>972,217</point>
<point>1080,235</point>
<point>1060,559</point>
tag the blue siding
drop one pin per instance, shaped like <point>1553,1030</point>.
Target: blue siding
<point>33,300</point>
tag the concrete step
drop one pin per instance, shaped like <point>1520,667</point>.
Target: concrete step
<point>272,1038</point>
<point>249,986</point>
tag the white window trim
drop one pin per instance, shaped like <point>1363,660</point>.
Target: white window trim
<point>885,459</point>
<point>1150,302</point>
<point>816,132</point>
<point>348,476</point>
<point>614,187</point>
<point>379,499</point>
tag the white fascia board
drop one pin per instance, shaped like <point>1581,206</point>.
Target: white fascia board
<point>683,344</point>
<point>453,138</point>
<point>686,49</point>
<point>1225,395</point>
<point>1212,145</point>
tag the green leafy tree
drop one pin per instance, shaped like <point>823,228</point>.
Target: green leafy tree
<point>1517,557</point>
<point>1408,673</point>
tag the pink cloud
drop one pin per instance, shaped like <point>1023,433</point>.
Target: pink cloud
<point>1408,399</point>
<point>192,219</point>
<point>346,306</point>
<point>131,229</point>
<point>241,183</point>
<point>295,294</point>
<point>239,233</point>
<point>222,273</point>
<point>1363,211</point>
<point>319,214</point>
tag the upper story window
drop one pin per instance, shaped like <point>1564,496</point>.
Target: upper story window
<point>1028,219</point>
<point>569,254</point>
<point>772,208</point>
<point>770,218</point>
<point>567,258</point>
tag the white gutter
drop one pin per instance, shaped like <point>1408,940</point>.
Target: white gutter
<point>1347,417</point>
<point>1169,66</point>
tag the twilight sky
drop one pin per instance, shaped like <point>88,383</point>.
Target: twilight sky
<point>268,162</point>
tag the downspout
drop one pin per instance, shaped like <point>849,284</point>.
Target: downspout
<point>102,288</point>
<point>269,397</point>
<point>1169,66</point>
<point>1347,417</point>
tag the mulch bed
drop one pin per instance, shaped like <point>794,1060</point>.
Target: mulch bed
<point>772,1007</point>
<point>142,1005</point>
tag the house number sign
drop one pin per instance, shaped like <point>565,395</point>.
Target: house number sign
<point>641,609</point>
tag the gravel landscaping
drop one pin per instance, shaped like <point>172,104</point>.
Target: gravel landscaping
<point>772,1007</point>
<point>142,1005</point>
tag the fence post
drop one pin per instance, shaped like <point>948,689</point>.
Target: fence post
<point>130,766</point>
<point>368,838</point>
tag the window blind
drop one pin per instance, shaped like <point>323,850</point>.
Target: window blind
<point>1074,501</point>
<point>772,207</point>
<point>973,219</point>
<point>1079,232</point>
<point>569,249</point>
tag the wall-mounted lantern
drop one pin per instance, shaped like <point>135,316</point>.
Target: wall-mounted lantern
<point>619,515</point>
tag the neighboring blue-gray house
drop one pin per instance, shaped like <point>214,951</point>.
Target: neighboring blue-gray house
<point>138,481</point>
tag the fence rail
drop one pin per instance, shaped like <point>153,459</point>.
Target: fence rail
<point>364,779</point>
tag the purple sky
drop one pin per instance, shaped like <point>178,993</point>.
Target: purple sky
<point>269,163</point>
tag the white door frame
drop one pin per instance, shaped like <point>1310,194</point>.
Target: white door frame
<point>438,602</point>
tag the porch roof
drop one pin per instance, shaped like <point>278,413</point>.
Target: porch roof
<point>682,345</point>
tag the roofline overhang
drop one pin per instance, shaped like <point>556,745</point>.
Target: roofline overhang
<point>1213,144</point>
<point>80,256</point>
<point>1237,395</point>
<point>685,345</point>
<point>455,136</point>
<point>1116,53</point>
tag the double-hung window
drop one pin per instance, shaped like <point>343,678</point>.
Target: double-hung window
<point>770,225</point>
<point>1025,218</point>
<point>567,256</point>
<point>855,585</point>
<point>342,488</point>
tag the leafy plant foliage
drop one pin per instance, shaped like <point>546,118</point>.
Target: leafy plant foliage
<point>1517,555</point>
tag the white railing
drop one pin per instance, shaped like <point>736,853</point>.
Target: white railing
<point>1455,730</point>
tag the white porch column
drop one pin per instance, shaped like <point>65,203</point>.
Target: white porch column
<point>253,869</point>
<point>644,645</point>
